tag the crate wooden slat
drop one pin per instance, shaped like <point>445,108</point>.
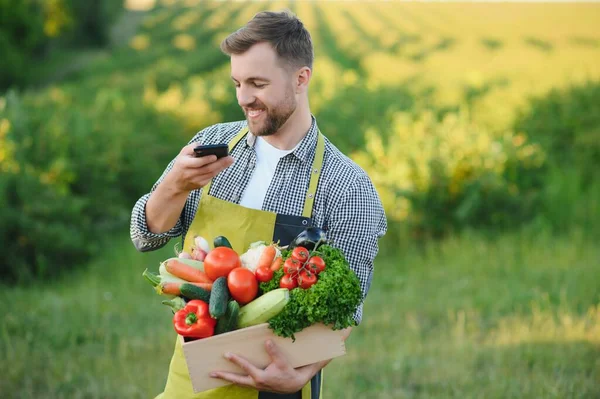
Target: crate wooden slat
<point>313,344</point>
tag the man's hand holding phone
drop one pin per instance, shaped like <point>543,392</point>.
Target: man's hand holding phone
<point>196,165</point>
<point>191,170</point>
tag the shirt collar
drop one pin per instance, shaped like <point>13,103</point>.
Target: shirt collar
<point>304,149</point>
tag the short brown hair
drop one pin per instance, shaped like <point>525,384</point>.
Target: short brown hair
<point>283,30</point>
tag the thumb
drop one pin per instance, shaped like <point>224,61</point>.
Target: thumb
<point>189,149</point>
<point>275,353</point>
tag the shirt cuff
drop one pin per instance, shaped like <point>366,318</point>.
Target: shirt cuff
<point>358,314</point>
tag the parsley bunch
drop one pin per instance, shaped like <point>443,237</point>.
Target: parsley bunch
<point>331,301</point>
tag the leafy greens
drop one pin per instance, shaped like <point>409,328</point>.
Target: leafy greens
<point>332,300</point>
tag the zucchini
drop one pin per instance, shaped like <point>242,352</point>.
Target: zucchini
<point>221,241</point>
<point>229,321</point>
<point>191,291</point>
<point>219,297</point>
<point>263,308</point>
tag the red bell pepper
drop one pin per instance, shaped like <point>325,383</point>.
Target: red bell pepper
<point>194,320</point>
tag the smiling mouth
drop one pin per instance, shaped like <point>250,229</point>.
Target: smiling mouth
<point>254,113</point>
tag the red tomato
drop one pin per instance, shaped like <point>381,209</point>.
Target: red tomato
<point>242,285</point>
<point>264,274</point>
<point>220,261</point>
<point>306,279</point>
<point>291,266</point>
<point>288,282</point>
<point>301,254</point>
<point>316,264</point>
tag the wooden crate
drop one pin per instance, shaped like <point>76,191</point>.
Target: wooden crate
<point>313,344</point>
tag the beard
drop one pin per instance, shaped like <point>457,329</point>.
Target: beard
<point>276,117</point>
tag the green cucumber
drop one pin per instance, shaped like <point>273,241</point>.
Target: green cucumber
<point>221,241</point>
<point>191,291</point>
<point>219,297</point>
<point>229,320</point>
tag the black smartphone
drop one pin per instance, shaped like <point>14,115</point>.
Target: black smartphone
<point>220,150</point>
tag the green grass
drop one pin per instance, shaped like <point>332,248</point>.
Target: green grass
<point>469,318</point>
<point>99,333</point>
<point>518,318</point>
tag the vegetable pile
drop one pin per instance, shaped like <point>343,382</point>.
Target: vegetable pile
<point>214,290</point>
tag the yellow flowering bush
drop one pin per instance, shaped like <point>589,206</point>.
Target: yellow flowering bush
<point>441,174</point>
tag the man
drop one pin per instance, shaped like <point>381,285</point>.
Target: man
<point>282,176</point>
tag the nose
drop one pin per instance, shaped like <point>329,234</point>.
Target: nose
<point>245,96</point>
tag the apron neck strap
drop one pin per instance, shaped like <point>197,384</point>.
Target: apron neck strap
<point>317,165</point>
<point>238,138</point>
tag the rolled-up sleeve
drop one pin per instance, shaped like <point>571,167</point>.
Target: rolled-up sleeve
<point>355,227</point>
<point>143,239</point>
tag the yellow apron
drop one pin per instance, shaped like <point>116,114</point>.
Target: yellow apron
<point>242,226</point>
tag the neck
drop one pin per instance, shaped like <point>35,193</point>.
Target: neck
<point>293,130</point>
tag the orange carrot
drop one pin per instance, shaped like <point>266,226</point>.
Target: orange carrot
<point>169,288</point>
<point>276,264</point>
<point>206,286</point>
<point>267,256</point>
<point>186,272</point>
<point>174,288</point>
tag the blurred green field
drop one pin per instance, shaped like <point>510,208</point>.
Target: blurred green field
<point>469,318</point>
<point>502,311</point>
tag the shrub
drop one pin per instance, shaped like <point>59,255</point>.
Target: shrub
<point>69,176</point>
<point>29,29</point>
<point>92,21</point>
<point>22,37</point>
<point>440,175</point>
<point>566,122</point>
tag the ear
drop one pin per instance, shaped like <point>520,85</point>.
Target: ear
<point>303,76</point>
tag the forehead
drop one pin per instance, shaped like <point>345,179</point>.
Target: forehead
<point>260,59</point>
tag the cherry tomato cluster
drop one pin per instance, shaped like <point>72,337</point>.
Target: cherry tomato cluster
<point>301,269</point>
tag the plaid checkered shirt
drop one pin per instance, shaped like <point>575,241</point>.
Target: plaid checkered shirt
<point>346,204</point>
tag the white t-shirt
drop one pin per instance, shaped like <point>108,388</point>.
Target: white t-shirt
<point>267,158</point>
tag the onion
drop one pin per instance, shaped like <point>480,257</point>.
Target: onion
<point>202,244</point>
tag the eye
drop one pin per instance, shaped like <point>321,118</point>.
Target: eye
<point>259,85</point>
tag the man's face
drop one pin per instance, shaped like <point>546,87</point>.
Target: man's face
<point>264,89</point>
